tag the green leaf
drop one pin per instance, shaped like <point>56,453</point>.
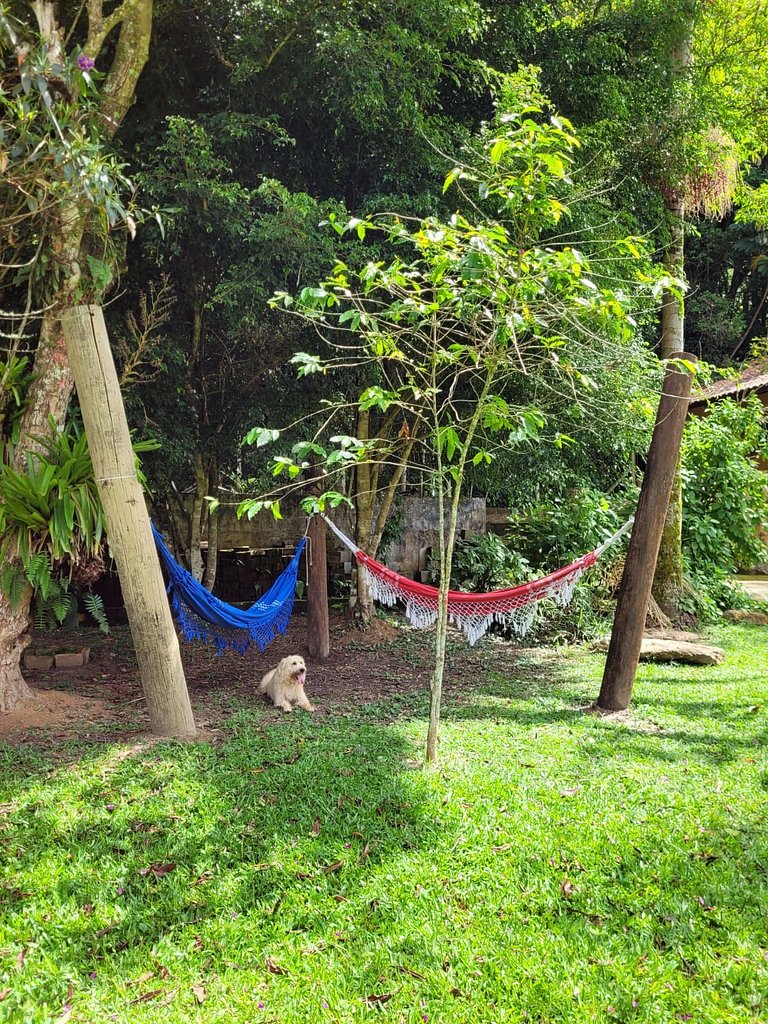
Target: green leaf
<point>261,436</point>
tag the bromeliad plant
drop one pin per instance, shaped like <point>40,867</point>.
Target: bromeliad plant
<point>484,325</point>
<point>51,528</point>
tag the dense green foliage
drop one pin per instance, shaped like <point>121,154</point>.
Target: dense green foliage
<point>255,123</point>
<point>726,514</point>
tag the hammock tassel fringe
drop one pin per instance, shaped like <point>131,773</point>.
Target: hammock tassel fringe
<point>474,614</point>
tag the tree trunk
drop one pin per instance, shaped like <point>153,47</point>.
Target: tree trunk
<point>668,581</point>
<point>447,543</point>
<point>196,518</point>
<point>128,527</point>
<point>212,557</point>
<point>372,507</point>
<point>318,625</point>
<point>635,591</point>
<point>46,405</point>
<point>51,386</point>
<point>14,638</point>
<point>316,556</point>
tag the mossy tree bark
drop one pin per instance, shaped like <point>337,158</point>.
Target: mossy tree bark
<point>51,388</point>
<point>668,581</point>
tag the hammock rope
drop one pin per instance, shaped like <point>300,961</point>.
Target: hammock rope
<point>474,614</point>
<point>204,617</point>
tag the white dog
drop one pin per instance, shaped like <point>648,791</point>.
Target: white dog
<point>284,685</point>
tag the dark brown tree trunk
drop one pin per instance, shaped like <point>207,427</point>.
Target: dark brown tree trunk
<point>318,618</point>
<point>635,591</point>
<point>197,518</point>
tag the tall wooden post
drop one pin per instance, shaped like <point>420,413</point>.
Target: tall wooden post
<point>318,625</point>
<point>635,591</point>
<point>128,529</point>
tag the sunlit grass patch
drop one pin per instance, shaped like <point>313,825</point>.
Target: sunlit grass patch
<point>559,866</point>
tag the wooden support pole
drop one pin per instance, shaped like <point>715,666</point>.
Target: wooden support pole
<point>637,580</point>
<point>127,521</point>
<point>318,624</point>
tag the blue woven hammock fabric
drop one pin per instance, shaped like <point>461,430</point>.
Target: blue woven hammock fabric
<point>204,617</point>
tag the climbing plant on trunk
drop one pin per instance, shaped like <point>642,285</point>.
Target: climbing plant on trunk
<point>60,183</point>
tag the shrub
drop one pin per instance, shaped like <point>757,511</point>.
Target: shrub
<point>555,532</point>
<point>481,564</point>
<point>724,492</point>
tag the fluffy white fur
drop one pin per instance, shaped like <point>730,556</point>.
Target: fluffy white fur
<point>284,685</point>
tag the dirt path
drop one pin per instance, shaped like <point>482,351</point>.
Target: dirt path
<point>756,588</point>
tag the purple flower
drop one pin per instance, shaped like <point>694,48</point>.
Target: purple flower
<point>259,1006</point>
<point>110,807</point>
<point>120,890</point>
<point>85,63</point>
<point>634,1003</point>
<point>325,1004</point>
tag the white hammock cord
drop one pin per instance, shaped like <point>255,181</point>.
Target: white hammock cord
<point>598,551</point>
<point>341,535</point>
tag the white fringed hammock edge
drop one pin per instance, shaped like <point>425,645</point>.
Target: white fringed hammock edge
<point>474,614</point>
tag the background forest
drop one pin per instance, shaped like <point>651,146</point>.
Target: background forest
<point>253,124</point>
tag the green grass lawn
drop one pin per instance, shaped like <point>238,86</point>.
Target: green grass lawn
<point>557,867</point>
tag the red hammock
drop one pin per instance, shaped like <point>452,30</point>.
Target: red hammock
<point>473,614</point>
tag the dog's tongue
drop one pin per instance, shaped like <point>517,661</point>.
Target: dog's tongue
<point>302,674</point>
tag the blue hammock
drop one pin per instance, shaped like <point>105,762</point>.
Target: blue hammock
<point>204,617</point>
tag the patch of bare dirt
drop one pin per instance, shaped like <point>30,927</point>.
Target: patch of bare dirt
<point>626,718</point>
<point>379,631</point>
<point>53,709</point>
<point>103,701</point>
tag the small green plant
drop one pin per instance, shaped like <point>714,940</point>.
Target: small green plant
<point>52,528</point>
<point>710,592</point>
<point>486,563</point>
<point>554,532</point>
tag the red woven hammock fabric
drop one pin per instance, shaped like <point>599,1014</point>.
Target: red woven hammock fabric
<point>524,592</point>
<point>474,613</point>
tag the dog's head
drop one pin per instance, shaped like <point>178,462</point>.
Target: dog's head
<point>294,667</point>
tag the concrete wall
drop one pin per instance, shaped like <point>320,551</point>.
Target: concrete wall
<point>410,554</point>
<point>252,552</point>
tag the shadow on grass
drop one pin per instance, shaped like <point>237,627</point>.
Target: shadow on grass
<point>654,726</point>
<point>134,845</point>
